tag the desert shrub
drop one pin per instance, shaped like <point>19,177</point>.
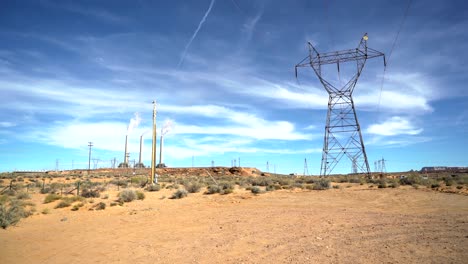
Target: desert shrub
<point>45,211</point>
<point>121,183</point>
<point>113,204</point>
<point>459,187</point>
<point>261,181</point>
<point>354,180</point>
<point>336,186</point>
<point>255,190</point>
<point>411,180</point>
<point>100,206</point>
<point>140,195</point>
<point>382,183</point>
<point>322,184</point>
<point>23,195</point>
<point>46,190</point>
<point>51,197</point>
<point>179,194</point>
<point>127,196</point>
<point>153,188</point>
<point>88,193</point>
<point>10,215</point>
<point>212,189</point>
<point>105,196</point>
<point>75,208</point>
<point>63,203</point>
<point>193,187</point>
<point>226,188</point>
<point>448,181</point>
<point>393,183</point>
<point>172,186</point>
<point>273,187</point>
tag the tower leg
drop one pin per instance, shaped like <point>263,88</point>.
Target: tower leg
<point>343,136</point>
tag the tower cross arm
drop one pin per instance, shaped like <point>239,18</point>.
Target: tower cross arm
<point>344,56</point>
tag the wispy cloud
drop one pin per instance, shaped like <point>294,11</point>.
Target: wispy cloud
<point>7,124</point>
<point>393,126</point>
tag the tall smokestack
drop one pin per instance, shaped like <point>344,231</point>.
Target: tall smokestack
<point>161,150</point>
<point>125,154</point>
<point>141,149</point>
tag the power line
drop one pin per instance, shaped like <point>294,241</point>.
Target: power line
<point>390,53</point>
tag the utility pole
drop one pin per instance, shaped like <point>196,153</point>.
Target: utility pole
<point>239,161</point>
<point>342,130</point>
<point>268,167</point>
<point>56,165</point>
<point>153,149</point>
<point>90,144</point>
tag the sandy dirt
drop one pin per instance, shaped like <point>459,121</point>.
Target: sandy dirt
<point>347,225</point>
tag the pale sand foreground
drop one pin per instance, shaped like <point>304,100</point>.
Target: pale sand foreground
<point>349,225</point>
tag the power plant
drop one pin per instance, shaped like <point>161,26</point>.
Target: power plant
<point>124,164</point>
<point>140,163</point>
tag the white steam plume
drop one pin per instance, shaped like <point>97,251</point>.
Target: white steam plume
<point>144,133</point>
<point>195,33</point>
<point>134,122</point>
<point>167,127</point>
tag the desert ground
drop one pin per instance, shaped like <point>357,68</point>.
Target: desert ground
<point>351,223</point>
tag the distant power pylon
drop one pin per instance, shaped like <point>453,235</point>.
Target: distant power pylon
<point>113,161</point>
<point>268,167</point>
<point>383,168</point>
<point>306,169</point>
<point>354,167</point>
<point>90,144</point>
<point>380,166</point>
<point>95,162</point>
<point>342,131</point>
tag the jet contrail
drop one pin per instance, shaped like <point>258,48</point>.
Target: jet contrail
<point>195,33</point>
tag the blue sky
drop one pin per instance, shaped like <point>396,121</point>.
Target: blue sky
<point>78,71</point>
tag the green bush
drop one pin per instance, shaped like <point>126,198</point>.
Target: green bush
<point>193,187</point>
<point>382,183</point>
<point>179,194</point>
<point>63,203</point>
<point>10,215</point>
<point>273,187</point>
<point>322,184</point>
<point>23,195</point>
<point>153,188</point>
<point>140,195</point>
<point>100,206</point>
<point>88,193</point>
<point>226,188</point>
<point>51,198</point>
<point>255,190</point>
<point>127,196</point>
<point>411,180</point>
<point>212,189</point>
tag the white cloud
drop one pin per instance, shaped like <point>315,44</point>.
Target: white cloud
<point>7,124</point>
<point>394,126</point>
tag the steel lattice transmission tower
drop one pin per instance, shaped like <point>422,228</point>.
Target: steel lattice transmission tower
<point>342,131</point>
